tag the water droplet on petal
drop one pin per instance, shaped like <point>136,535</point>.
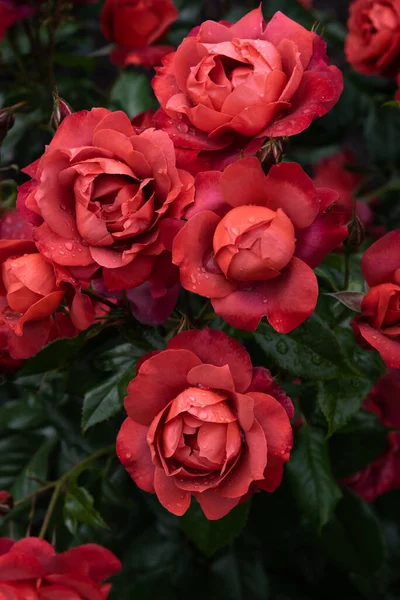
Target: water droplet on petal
<point>68,245</point>
<point>128,455</point>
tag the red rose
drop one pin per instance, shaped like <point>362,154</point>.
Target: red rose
<point>135,25</point>
<point>383,474</point>
<point>12,12</point>
<point>194,426</point>
<point>105,198</point>
<point>334,173</point>
<point>383,400</point>
<point>373,42</point>
<point>252,241</point>
<point>30,569</point>
<point>31,290</point>
<point>378,326</point>
<point>234,83</point>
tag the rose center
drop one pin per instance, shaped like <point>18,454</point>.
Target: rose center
<point>253,243</point>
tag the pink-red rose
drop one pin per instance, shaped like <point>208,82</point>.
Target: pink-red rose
<point>106,200</point>
<point>383,474</point>
<point>201,422</point>
<point>30,569</point>
<point>373,41</point>
<point>135,26</point>
<point>378,325</point>
<point>234,83</point>
<point>252,241</point>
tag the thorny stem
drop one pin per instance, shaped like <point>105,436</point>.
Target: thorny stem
<point>60,483</point>
<point>98,298</point>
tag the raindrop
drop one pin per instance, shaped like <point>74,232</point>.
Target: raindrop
<point>182,128</point>
<point>252,220</point>
<point>68,245</point>
<point>235,231</point>
<point>264,301</point>
<point>282,347</point>
<point>193,278</point>
<point>203,415</point>
<point>128,455</point>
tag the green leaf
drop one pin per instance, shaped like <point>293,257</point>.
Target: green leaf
<point>380,130</point>
<point>311,351</point>
<point>106,399</point>
<point>18,414</point>
<point>353,538</point>
<point>351,452</point>
<point>340,399</point>
<point>310,475</point>
<point>132,93</point>
<point>239,575</point>
<point>210,536</point>
<point>78,508</point>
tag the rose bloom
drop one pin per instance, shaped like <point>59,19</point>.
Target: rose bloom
<point>373,42</point>
<point>10,13</point>
<point>238,84</point>
<point>135,26</point>
<point>378,325</point>
<point>383,474</point>
<point>334,173</point>
<point>106,200</point>
<point>202,422</point>
<point>252,240</point>
<point>31,290</point>
<point>30,569</point>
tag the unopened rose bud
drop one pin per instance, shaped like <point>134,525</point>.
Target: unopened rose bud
<point>61,109</point>
<point>271,153</point>
<point>356,235</point>
<point>6,503</point>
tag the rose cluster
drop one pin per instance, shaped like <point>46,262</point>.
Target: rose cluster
<point>115,209</point>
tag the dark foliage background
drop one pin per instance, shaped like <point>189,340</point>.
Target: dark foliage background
<point>309,540</point>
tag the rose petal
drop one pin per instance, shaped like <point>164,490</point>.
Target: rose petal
<point>134,453</point>
<point>176,500</point>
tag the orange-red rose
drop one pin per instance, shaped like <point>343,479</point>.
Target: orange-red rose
<point>231,83</point>
<point>105,199</point>
<point>252,240</point>
<point>135,26</point>
<point>378,326</point>
<point>201,422</point>
<point>373,42</point>
<point>30,569</point>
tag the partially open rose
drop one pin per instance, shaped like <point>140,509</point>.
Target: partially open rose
<point>251,242</point>
<point>249,80</point>
<point>201,422</point>
<point>373,42</point>
<point>105,198</point>
<point>378,326</point>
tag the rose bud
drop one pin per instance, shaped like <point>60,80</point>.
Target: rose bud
<point>61,109</point>
<point>378,325</point>
<point>252,241</point>
<point>30,569</point>
<point>203,423</point>
<point>6,503</point>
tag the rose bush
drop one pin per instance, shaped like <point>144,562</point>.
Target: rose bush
<point>234,83</point>
<point>106,200</point>
<point>378,326</point>
<point>373,41</point>
<point>135,26</point>
<point>252,241</point>
<point>383,474</point>
<point>30,569</point>
<point>201,422</point>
